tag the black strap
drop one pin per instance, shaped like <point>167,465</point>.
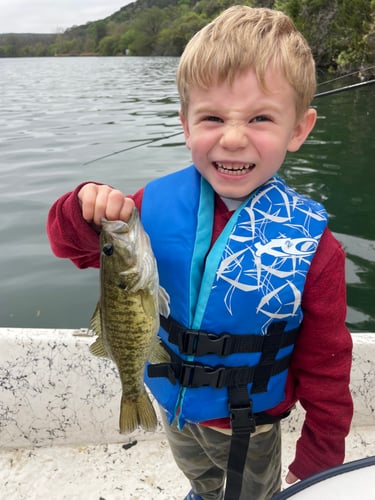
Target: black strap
<point>236,463</point>
<point>200,342</point>
<point>268,360</point>
<point>243,424</point>
<point>190,374</point>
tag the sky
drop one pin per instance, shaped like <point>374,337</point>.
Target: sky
<point>53,16</point>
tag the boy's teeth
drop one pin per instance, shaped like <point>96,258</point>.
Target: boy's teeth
<point>234,169</point>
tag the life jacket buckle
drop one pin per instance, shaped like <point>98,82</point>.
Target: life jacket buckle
<point>198,343</point>
<point>187,342</point>
<point>242,419</point>
<point>219,344</point>
<point>192,375</point>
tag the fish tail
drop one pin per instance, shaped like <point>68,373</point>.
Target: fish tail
<point>138,413</point>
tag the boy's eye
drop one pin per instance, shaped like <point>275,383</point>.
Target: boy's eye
<point>260,118</point>
<point>212,119</point>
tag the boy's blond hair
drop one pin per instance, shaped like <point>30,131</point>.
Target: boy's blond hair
<point>242,38</point>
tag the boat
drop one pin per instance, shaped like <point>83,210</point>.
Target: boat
<point>347,481</point>
<point>59,409</point>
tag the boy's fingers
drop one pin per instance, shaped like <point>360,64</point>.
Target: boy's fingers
<point>118,206</point>
<point>101,203</point>
<point>126,209</point>
<point>87,197</point>
<point>291,478</point>
<point>98,201</point>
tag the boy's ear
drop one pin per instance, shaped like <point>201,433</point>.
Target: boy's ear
<point>186,129</point>
<point>302,130</point>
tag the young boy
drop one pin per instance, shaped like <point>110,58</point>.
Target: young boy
<point>238,252</point>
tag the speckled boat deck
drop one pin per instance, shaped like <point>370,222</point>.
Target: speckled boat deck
<point>59,418</point>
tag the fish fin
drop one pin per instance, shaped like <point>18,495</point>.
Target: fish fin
<point>97,348</point>
<point>148,304</point>
<point>158,354</point>
<point>137,413</point>
<point>96,321</point>
<point>163,302</point>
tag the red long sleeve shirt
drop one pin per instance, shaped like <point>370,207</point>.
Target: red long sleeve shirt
<point>320,369</point>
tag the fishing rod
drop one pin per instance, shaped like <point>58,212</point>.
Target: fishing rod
<point>357,72</point>
<point>151,141</point>
<point>342,89</point>
<point>139,145</point>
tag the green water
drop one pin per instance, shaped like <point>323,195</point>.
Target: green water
<point>57,114</point>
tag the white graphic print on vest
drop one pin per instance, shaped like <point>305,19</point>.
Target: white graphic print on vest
<point>270,249</point>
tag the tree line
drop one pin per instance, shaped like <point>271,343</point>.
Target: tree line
<point>341,33</point>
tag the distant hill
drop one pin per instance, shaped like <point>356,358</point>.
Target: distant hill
<point>26,44</point>
<point>341,34</point>
<point>26,38</point>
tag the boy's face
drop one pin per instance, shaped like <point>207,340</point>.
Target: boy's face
<point>239,135</point>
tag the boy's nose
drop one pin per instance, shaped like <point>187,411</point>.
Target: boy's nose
<point>234,137</point>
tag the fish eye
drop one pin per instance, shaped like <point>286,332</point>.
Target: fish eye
<point>108,249</point>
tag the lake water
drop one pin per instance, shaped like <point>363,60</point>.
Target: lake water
<point>58,114</point>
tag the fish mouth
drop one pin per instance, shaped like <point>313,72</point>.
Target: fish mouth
<point>235,169</point>
<point>114,226</point>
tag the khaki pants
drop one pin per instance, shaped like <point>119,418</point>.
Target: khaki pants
<point>202,454</point>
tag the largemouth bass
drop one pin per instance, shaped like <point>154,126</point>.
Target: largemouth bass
<point>126,319</point>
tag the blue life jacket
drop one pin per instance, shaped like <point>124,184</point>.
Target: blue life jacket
<point>244,292</point>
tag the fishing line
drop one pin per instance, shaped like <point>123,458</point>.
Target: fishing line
<point>346,76</point>
<point>320,94</point>
<point>139,145</point>
<point>342,89</point>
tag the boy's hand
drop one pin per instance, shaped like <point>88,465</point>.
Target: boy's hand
<point>99,201</point>
<point>291,478</point>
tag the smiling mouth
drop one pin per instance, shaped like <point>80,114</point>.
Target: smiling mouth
<point>233,169</point>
